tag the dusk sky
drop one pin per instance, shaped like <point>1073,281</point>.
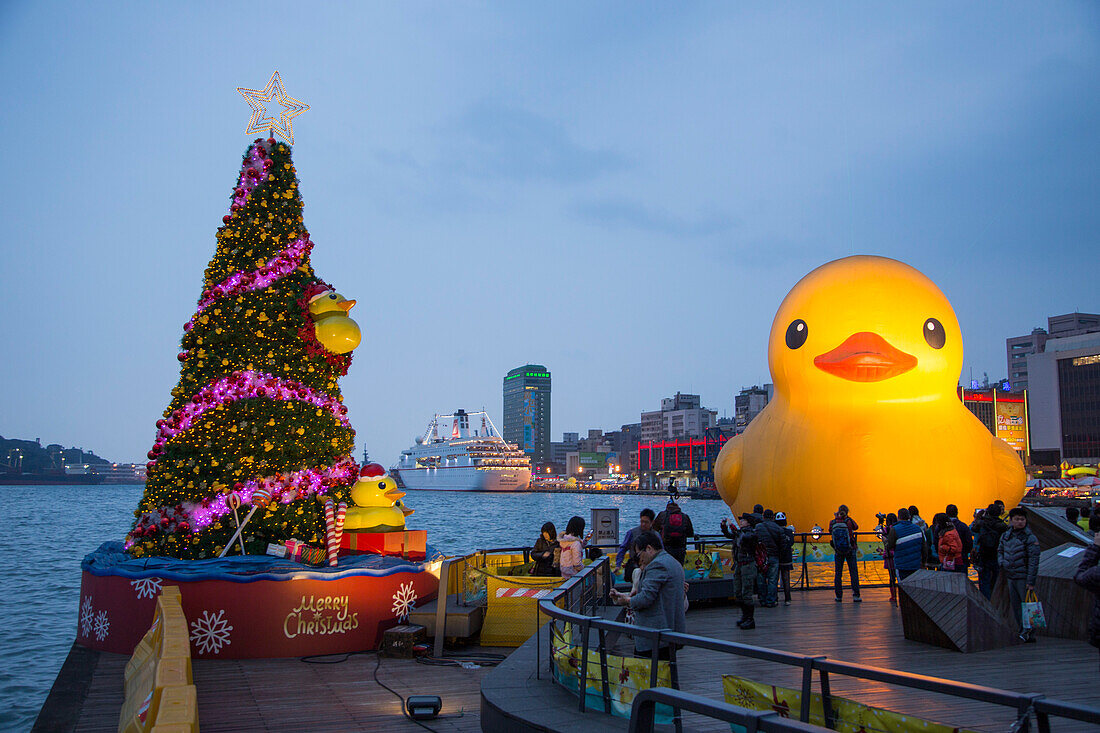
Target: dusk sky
<point>623,192</point>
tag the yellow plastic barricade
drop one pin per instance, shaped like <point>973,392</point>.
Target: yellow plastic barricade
<point>849,716</point>
<point>158,685</point>
<point>511,617</point>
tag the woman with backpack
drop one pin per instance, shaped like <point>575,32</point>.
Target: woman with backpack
<point>888,555</point>
<point>948,543</point>
<point>842,533</point>
<point>675,528</point>
<point>786,556</point>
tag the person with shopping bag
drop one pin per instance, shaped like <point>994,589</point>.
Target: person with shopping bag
<point>1018,557</point>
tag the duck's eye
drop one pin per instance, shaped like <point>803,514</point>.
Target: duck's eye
<point>797,333</point>
<point>933,333</point>
<point>381,485</point>
<point>332,297</point>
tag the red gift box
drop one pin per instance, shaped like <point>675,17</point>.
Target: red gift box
<point>411,544</point>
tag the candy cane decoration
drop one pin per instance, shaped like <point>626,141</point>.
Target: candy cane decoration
<point>341,511</point>
<point>260,498</point>
<point>330,526</point>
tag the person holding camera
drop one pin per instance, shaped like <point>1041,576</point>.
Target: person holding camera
<point>572,547</point>
<point>749,561</point>
<point>842,532</point>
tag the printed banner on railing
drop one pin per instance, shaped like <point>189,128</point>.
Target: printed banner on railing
<point>849,716</point>
<point>625,676</point>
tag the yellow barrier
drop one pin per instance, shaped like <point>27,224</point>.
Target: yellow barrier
<point>160,694</point>
<point>849,716</point>
<point>511,617</point>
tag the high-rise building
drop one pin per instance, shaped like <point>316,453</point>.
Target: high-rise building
<point>750,402</point>
<point>1064,397</point>
<point>1020,347</point>
<point>527,412</point>
<point>679,417</point>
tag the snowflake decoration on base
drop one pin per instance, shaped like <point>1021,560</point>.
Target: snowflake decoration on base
<point>403,601</point>
<point>86,615</point>
<point>210,632</point>
<point>146,587</point>
<point>101,626</point>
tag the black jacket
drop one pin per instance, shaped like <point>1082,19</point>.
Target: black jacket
<point>786,548</point>
<point>543,555</point>
<point>770,535</point>
<point>992,527</point>
<point>1088,577</point>
<point>744,543</point>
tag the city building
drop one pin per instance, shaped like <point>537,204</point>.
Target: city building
<point>527,412</point>
<point>1004,414</point>
<point>687,462</point>
<point>679,417</point>
<point>1019,348</point>
<point>750,402</point>
<point>1064,398</point>
<point>559,450</point>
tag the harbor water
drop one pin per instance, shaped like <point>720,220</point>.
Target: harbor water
<point>49,529</point>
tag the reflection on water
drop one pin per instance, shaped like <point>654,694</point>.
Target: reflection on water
<point>48,530</point>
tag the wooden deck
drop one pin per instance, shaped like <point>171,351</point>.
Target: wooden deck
<point>292,695</point>
<point>870,633</point>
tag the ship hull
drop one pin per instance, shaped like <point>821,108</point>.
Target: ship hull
<point>464,478</point>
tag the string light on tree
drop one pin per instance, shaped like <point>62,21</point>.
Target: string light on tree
<point>261,122</point>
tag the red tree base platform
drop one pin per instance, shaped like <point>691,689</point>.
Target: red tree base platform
<point>253,606</point>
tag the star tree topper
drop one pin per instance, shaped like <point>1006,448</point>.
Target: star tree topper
<point>260,121</point>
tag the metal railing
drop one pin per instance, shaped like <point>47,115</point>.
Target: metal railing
<point>805,540</point>
<point>1026,705</point>
<point>643,713</point>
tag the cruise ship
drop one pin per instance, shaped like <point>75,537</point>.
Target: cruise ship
<point>477,460</point>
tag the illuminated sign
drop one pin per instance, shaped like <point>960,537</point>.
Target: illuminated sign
<point>541,375</point>
<point>1012,424</point>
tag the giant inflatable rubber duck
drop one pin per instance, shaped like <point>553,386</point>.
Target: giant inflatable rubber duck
<point>334,329</point>
<point>865,354</point>
<point>378,506</point>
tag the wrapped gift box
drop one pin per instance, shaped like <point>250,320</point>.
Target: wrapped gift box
<point>303,553</point>
<point>411,544</point>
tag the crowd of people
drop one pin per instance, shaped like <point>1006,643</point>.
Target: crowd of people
<point>652,554</point>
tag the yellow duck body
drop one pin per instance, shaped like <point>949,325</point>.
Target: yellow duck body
<point>378,506</point>
<point>334,329</point>
<point>865,354</point>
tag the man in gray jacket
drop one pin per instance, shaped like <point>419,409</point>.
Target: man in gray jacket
<point>659,602</point>
<point>1018,557</point>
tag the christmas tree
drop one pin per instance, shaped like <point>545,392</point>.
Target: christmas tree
<point>257,411</point>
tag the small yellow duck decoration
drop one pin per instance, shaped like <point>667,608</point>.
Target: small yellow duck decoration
<point>378,506</point>
<point>334,329</point>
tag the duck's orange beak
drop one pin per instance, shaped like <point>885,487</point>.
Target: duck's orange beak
<point>865,357</point>
<point>394,493</point>
<point>406,511</point>
<point>347,305</point>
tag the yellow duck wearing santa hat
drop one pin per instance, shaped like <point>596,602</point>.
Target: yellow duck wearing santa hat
<point>865,353</point>
<point>378,506</point>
